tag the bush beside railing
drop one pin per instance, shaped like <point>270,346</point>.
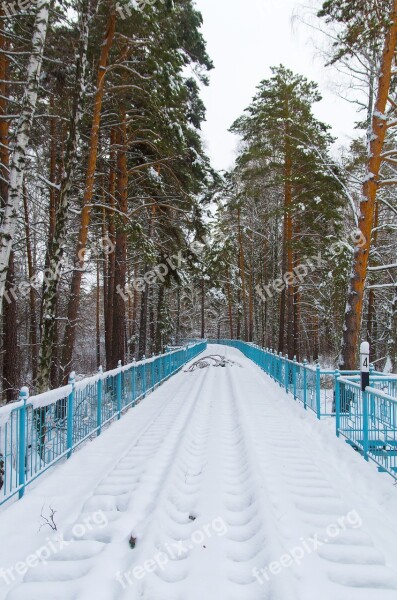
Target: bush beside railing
<point>37,432</point>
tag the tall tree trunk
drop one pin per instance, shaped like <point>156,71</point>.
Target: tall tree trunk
<point>152,325</point>
<point>134,312</point>
<point>178,315</point>
<point>98,315</point>
<point>316,346</point>
<point>112,255</point>
<point>58,242</point>
<point>11,354</point>
<point>288,241</point>
<point>230,308</point>
<point>283,295</point>
<point>241,266</point>
<point>391,349</point>
<point>251,302</point>
<point>297,316</point>
<point>371,317</point>
<point>143,322</point>
<point>238,328</point>
<point>74,298</point>
<point>22,135</point>
<point>202,309</point>
<point>120,273</point>
<point>160,324</point>
<point>354,309</point>
<point>32,298</point>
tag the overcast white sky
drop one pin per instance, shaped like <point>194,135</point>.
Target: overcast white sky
<point>244,39</point>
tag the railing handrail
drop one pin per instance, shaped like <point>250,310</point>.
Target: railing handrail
<point>52,396</point>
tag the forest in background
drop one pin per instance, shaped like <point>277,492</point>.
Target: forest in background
<point>118,238</point>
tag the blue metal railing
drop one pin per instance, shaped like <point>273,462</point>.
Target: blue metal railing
<point>37,432</point>
<point>368,420</point>
<point>311,385</point>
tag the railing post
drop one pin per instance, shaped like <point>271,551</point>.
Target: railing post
<point>99,402</point>
<point>119,390</point>
<point>364,396</point>
<point>152,367</point>
<point>23,395</point>
<point>337,402</point>
<point>133,380</point>
<point>318,390</point>
<point>281,382</point>
<point>305,384</point>
<point>365,379</point>
<point>70,415</point>
<point>294,376</point>
<point>267,362</point>
<point>364,365</point>
<point>286,373</point>
<point>144,377</point>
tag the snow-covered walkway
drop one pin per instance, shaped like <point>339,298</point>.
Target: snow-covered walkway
<point>217,487</point>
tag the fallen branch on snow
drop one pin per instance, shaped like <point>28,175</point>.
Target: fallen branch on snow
<point>214,360</point>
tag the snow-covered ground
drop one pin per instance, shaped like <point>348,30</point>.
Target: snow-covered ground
<point>217,487</point>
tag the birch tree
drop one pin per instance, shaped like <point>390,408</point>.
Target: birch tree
<point>22,134</point>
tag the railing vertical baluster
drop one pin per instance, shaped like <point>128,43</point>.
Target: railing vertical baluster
<point>286,373</point>
<point>305,384</point>
<point>294,370</point>
<point>99,402</point>
<point>144,376</point>
<point>337,402</point>
<point>282,381</point>
<point>133,380</point>
<point>23,395</point>
<point>70,415</point>
<point>119,390</point>
<point>318,390</point>
<point>364,397</point>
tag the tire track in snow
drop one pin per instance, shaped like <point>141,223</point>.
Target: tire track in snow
<point>347,567</point>
<point>113,496</point>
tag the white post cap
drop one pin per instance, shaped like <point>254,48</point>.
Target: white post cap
<point>364,348</point>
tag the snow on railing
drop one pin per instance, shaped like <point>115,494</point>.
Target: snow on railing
<point>37,432</point>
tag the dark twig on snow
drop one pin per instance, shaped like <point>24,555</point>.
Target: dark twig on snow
<point>49,520</point>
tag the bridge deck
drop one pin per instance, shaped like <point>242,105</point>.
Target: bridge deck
<point>216,487</point>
